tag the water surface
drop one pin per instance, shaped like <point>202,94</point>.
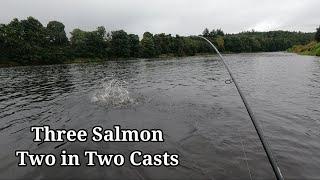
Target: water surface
<point>202,117</point>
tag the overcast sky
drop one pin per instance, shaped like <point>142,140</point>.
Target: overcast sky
<point>183,17</point>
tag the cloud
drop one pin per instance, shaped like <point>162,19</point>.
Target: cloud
<point>267,25</point>
<point>169,16</point>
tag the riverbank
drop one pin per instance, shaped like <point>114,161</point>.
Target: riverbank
<point>11,63</point>
<point>311,49</point>
<point>8,63</point>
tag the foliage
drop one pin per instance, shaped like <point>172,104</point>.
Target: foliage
<point>205,32</point>
<point>134,45</point>
<point>89,44</point>
<point>29,42</point>
<point>317,35</point>
<point>313,49</point>
<point>148,48</point>
<point>56,34</point>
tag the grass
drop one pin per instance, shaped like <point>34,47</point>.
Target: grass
<point>311,49</point>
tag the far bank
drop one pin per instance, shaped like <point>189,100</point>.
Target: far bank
<point>311,49</point>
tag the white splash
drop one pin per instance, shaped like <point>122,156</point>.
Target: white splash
<point>113,93</point>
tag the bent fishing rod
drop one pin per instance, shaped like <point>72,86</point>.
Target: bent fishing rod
<point>265,145</point>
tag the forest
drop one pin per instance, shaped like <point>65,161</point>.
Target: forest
<point>28,41</point>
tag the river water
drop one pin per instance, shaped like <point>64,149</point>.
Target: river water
<point>202,117</point>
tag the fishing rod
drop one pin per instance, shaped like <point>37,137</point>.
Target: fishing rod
<point>265,145</point>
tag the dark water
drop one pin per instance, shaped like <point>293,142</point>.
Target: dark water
<point>203,119</point>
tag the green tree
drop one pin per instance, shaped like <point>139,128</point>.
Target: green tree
<point>163,43</point>
<point>120,46</point>
<point>78,42</point>
<point>148,49</point>
<point>28,42</point>
<point>220,43</point>
<point>89,44</point>
<point>213,33</point>
<point>134,45</point>
<point>34,32</point>
<point>232,44</point>
<point>205,32</point>
<point>2,41</point>
<point>13,46</point>
<point>96,41</point>
<point>179,49</point>
<point>317,35</point>
<point>56,33</point>
<point>220,32</point>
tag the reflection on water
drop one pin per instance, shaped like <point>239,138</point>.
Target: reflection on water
<point>203,118</point>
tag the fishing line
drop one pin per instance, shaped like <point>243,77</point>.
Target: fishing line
<point>258,129</point>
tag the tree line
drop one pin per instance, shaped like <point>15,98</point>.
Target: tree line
<point>29,42</point>
<point>317,35</point>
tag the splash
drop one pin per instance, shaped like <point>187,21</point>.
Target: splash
<point>113,93</point>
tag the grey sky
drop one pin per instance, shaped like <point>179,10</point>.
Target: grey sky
<point>170,16</point>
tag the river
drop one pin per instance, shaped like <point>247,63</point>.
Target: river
<point>203,119</point>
